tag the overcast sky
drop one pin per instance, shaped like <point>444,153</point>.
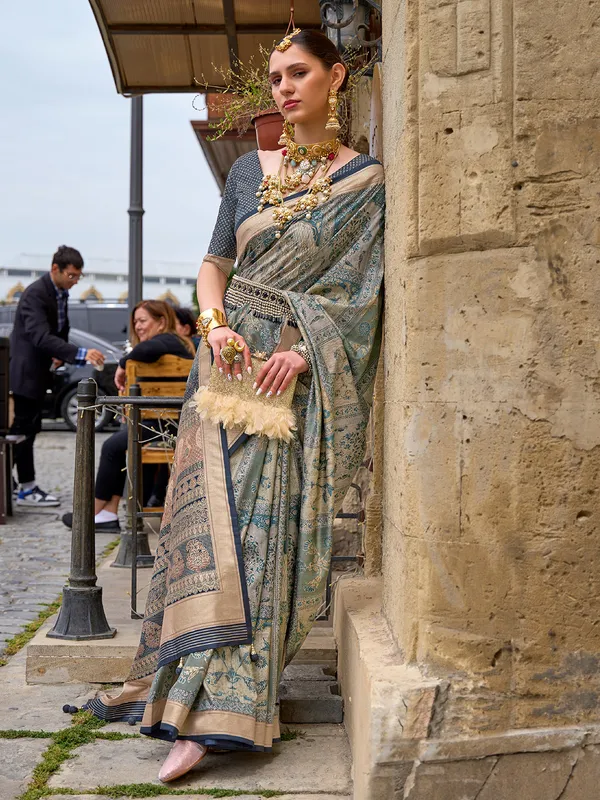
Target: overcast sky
<point>64,146</point>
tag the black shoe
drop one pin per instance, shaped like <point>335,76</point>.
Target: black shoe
<point>101,527</point>
<point>155,502</point>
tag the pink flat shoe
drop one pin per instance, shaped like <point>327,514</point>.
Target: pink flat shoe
<point>184,755</point>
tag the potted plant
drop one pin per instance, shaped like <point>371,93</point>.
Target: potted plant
<point>246,100</point>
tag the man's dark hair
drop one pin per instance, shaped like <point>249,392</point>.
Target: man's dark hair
<point>65,256</point>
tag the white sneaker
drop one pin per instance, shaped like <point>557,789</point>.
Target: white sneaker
<point>37,498</point>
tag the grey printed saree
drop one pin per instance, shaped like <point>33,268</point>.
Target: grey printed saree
<point>245,543</point>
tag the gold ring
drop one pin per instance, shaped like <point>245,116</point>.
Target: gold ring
<point>228,354</point>
<point>239,346</point>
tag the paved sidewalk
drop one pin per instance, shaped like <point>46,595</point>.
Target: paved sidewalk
<point>34,544</point>
<point>316,765</point>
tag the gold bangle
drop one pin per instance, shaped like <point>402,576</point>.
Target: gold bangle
<point>208,320</point>
<point>212,316</point>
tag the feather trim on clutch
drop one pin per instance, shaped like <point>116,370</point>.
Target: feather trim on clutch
<point>235,404</point>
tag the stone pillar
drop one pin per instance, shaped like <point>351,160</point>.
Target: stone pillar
<point>491,562</point>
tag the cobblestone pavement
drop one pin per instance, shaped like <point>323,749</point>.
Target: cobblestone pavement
<point>34,544</point>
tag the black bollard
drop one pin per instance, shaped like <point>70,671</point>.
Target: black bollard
<point>81,614</point>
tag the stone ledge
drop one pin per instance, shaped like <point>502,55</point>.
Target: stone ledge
<point>391,713</point>
<point>388,705</point>
<point>534,740</point>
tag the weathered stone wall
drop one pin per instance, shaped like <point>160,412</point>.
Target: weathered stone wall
<point>492,365</point>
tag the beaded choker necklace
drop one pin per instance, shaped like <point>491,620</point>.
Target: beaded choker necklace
<point>306,160</point>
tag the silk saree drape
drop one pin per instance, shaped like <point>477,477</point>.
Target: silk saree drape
<point>245,543</point>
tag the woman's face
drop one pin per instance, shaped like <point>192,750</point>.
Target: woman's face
<point>300,84</point>
<point>146,326</point>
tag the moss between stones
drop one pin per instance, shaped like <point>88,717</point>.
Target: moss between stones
<point>19,641</point>
<point>25,734</point>
<point>152,790</point>
<point>84,729</point>
<point>289,734</point>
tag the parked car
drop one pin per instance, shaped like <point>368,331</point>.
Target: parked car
<point>109,321</point>
<point>61,399</point>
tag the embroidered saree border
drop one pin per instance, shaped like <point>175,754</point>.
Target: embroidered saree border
<point>262,300</point>
<point>225,612</point>
<point>130,701</point>
<point>177,721</point>
<point>256,223</point>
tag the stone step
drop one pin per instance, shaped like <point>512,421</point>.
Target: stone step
<point>309,695</point>
<point>54,661</point>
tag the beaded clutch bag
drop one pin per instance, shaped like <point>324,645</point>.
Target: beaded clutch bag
<point>235,404</point>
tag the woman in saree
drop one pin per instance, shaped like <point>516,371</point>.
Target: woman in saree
<point>245,544</point>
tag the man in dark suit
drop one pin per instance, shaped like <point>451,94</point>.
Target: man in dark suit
<point>40,339</point>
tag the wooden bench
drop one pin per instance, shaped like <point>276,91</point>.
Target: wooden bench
<point>166,377</point>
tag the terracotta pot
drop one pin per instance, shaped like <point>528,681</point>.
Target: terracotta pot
<point>269,127</point>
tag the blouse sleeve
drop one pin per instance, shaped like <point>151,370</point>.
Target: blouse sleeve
<point>222,249</point>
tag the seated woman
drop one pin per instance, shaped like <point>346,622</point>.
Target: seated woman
<point>153,334</point>
<point>186,324</point>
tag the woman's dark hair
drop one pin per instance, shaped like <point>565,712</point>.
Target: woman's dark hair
<point>186,317</point>
<point>319,46</point>
<point>67,255</point>
<point>159,310</point>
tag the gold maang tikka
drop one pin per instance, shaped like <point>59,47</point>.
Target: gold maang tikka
<point>333,123</point>
<point>287,40</point>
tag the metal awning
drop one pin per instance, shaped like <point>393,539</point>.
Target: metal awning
<point>221,153</point>
<point>162,45</point>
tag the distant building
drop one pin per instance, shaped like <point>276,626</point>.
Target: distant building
<point>104,279</point>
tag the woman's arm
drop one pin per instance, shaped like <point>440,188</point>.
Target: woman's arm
<point>148,351</point>
<point>210,286</point>
<point>210,289</point>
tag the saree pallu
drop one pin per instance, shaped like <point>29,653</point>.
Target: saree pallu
<point>245,543</point>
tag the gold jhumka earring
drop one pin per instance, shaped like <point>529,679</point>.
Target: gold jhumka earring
<point>333,123</point>
<point>287,134</point>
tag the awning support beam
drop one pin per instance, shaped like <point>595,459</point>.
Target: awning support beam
<point>230,30</point>
<point>151,29</point>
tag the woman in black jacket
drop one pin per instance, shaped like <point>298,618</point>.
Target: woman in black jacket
<point>153,334</point>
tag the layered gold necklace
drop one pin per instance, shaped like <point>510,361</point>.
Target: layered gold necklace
<point>309,162</point>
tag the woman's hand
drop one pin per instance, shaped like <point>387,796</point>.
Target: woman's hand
<point>278,372</point>
<point>119,379</point>
<point>217,339</point>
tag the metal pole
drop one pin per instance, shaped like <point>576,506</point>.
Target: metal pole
<point>136,209</point>
<point>132,538</point>
<point>82,614</point>
<point>137,501</point>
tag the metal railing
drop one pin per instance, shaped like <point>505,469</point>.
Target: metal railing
<point>82,614</point>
